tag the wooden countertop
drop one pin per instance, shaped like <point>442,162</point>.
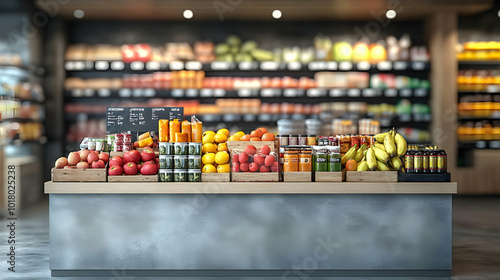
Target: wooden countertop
<point>250,188</point>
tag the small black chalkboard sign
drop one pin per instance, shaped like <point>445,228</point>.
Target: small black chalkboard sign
<point>120,119</point>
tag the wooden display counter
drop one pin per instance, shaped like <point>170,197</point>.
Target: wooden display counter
<point>286,230</point>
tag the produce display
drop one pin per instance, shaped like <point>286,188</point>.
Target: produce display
<point>254,160</point>
<point>479,51</point>
<point>215,158</point>
<point>134,162</point>
<point>82,160</point>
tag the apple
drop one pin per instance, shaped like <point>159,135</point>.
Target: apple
<point>265,150</point>
<point>73,158</point>
<point>61,162</point>
<point>84,154</point>
<point>235,158</point>
<point>116,161</point>
<point>97,152</point>
<point>253,167</point>
<point>258,159</point>
<point>115,170</point>
<point>98,164</point>
<point>244,167</point>
<point>274,168</point>
<point>250,150</point>
<point>157,160</point>
<point>147,155</point>
<point>269,161</point>
<point>136,144</point>
<point>82,165</point>
<point>264,169</point>
<point>236,167</point>
<point>149,168</point>
<point>132,156</point>
<point>104,157</point>
<point>92,157</point>
<point>139,166</point>
<point>130,168</point>
<point>69,167</point>
<point>243,158</point>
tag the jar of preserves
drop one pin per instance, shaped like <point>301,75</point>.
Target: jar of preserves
<point>302,139</point>
<point>291,160</point>
<point>293,139</point>
<point>320,159</point>
<point>305,158</point>
<point>355,140</point>
<point>311,140</point>
<point>345,143</point>
<point>283,140</point>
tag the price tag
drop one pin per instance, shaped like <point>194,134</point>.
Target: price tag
<point>177,93</point>
<point>101,65</point>
<point>354,92</point>
<point>384,66</point>
<point>400,65</point>
<point>345,66</point>
<point>418,65</point>
<point>247,65</point>
<point>268,92</point>
<point>206,92</point>
<point>405,92</point>
<point>88,92</point>
<point>294,66</point>
<point>125,93</point>
<point>218,92</point>
<point>363,66</point>
<point>420,92</point>
<point>290,92</point>
<point>332,65</point>
<point>138,92</point>
<point>176,65</point>
<point>481,144</point>
<point>117,65</point>
<point>316,92</point>
<point>149,92</point>
<point>191,93</point>
<point>244,92</point>
<point>137,65</point>
<point>369,92</point>
<point>337,92</point>
<point>153,65</point>
<point>193,65</point>
<point>391,92</point>
<point>104,92</point>
<point>220,65</point>
<point>269,66</point>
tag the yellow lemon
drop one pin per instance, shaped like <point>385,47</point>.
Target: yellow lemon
<point>223,168</point>
<point>221,157</point>
<point>208,139</point>
<point>209,168</point>
<point>209,148</point>
<point>208,158</point>
<point>240,133</point>
<point>220,138</point>
<point>234,138</point>
<point>223,131</point>
<point>222,147</point>
<point>208,132</point>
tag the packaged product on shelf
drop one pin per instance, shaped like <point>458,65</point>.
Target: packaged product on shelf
<point>163,130</point>
<point>166,175</point>
<point>305,160</point>
<point>195,148</point>
<point>167,148</point>
<point>196,130</point>
<point>194,175</point>
<point>291,160</point>
<point>186,128</point>
<point>320,158</point>
<point>174,127</point>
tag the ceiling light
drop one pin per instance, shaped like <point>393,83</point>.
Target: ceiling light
<point>277,14</point>
<point>188,14</point>
<point>390,14</point>
<point>79,13</point>
<point>498,13</point>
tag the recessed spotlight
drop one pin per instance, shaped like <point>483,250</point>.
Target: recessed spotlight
<point>277,14</point>
<point>390,14</point>
<point>498,13</point>
<point>188,14</point>
<point>79,13</point>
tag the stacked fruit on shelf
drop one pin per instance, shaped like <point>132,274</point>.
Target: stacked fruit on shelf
<point>253,160</point>
<point>134,162</point>
<point>383,155</point>
<point>82,160</point>
<point>215,157</point>
<point>479,51</point>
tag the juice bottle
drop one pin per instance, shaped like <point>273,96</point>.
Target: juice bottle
<point>409,160</point>
<point>442,158</point>
<point>417,160</point>
<point>433,160</point>
<point>174,127</point>
<point>196,130</point>
<point>425,160</point>
<point>186,128</point>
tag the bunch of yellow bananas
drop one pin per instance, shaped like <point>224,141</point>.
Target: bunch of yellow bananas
<point>385,154</point>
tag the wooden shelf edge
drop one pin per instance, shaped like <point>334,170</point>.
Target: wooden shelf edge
<point>251,188</point>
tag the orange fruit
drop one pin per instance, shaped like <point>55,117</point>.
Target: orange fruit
<point>263,129</point>
<point>245,138</point>
<point>268,137</point>
<point>351,165</point>
<point>255,139</point>
<point>257,133</point>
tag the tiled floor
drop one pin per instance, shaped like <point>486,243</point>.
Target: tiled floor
<point>476,241</point>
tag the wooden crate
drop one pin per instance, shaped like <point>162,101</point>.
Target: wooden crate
<point>112,154</point>
<point>241,145</point>
<point>297,177</point>
<point>254,177</point>
<point>371,176</point>
<point>79,175</point>
<point>328,176</point>
<point>133,178</point>
<point>215,177</point>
